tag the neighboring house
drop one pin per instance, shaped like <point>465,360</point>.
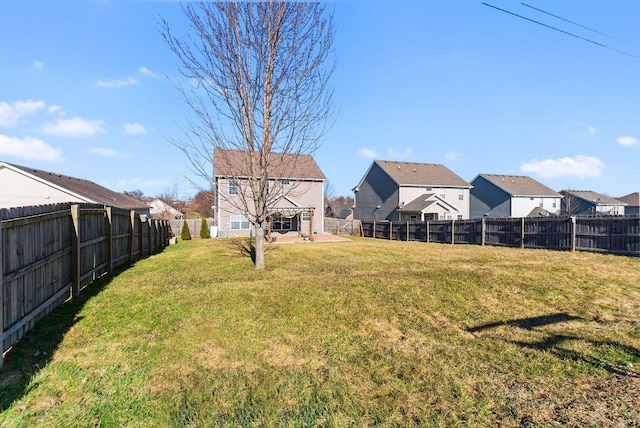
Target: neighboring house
<point>586,202</point>
<point>410,191</point>
<point>495,195</point>
<point>21,186</point>
<point>296,199</point>
<point>633,203</point>
<point>163,211</point>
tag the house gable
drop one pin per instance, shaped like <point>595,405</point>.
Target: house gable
<point>39,187</point>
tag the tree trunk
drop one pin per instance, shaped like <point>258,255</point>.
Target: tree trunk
<point>259,248</point>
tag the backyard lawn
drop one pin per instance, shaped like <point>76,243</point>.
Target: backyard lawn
<point>359,333</point>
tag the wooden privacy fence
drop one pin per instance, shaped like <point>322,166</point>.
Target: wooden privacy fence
<point>193,224</point>
<point>612,235</point>
<point>339,226</point>
<point>50,253</point>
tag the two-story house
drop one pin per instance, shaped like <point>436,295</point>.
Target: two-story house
<point>495,195</point>
<point>587,202</point>
<point>410,191</point>
<point>295,193</point>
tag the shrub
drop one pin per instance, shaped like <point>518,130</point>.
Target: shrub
<point>204,229</point>
<point>185,234</point>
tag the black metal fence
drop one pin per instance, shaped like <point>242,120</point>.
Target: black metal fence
<point>612,235</point>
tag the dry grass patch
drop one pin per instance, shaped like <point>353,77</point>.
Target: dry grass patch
<point>360,333</point>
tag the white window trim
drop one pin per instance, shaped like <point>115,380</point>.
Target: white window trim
<point>241,220</point>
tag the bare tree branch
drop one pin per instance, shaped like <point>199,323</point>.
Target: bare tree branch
<point>258,82</point>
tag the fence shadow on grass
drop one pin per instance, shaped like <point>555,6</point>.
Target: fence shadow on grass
<point>34,351</point>
<point>609,354</point>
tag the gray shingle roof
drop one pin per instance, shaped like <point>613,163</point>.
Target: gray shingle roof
<point>520,185</point>
<point>87,189</point>
<point>231,163</point>
<point>421,174</point>
<point>418,204</point>
<point>632,199</point>
<point>591,196</point>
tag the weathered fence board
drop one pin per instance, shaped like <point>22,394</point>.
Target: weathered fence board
<point>46,252</point>
<point>612,235</point>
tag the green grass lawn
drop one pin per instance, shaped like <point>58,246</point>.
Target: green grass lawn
<point>359,333</point>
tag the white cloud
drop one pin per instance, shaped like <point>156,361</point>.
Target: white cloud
<point>591,130</point>
<point>28,148</point>
<point>368,153</point>
<point>144,70</point>
<point>133,129</point>
<point>55,110</point>
<point>452,155</point>
<point>109,153</point>
<point>628,141</point>
<point>117,83</point>
<point>74,127</point>
<point>11,114</point>
<point>577,166</point>
<point>37,65</point>
<point>399,155</point>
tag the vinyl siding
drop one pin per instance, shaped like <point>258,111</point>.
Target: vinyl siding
<point>377,189</point>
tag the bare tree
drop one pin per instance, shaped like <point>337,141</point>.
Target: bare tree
<point>258,77</point>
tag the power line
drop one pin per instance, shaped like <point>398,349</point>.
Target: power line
<point>561,31</point>
<point>566,20</point>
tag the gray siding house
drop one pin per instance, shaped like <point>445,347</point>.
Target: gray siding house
<point>495,195</point>
<point>410,191</point>
<point>633,203</point>
<point>587,202</point>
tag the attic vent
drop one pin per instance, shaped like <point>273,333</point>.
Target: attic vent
<point>414,170</point>
<point>398,166</point>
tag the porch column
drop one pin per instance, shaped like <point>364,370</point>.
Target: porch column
<point>311,225</point>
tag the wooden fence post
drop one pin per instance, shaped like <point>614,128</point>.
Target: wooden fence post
<point>75,252</point>
<point>483,230</point>
<point>374,229</point>
<point>407,231</point>
<point>1,299</point>
<point>572,222</point>
<point>390,230</point>
<point>427,230</point>
<point>109,240</point>
<point>132,230</point>
<point>522,232</point>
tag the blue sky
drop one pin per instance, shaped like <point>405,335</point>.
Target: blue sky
<point>85,91</point>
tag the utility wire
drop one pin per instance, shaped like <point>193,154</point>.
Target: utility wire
<point>561,31</point>
<point>566,20</point>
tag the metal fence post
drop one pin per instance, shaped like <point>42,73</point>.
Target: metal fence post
<point>522,232</point>
<point>453,231</point>
<point>572,222</point>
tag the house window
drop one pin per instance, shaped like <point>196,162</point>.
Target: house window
<point>239,222</point>
<point>284,182</point>
<point>281,223</point>
<point>268,187</point>
<point>233,187</point>
<point>305,216</point>
<point>461,194</point>
<point>429,188</point>
<point>459,216</point>
<point>531,199</point>
<point>442,194</point>
<point>541,202</point>
<point>554,204</point>
<point>413,218</point>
